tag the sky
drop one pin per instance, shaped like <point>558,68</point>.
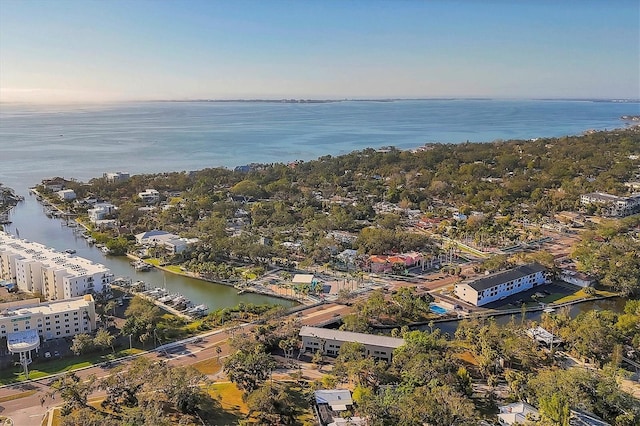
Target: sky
<point>112,50</point>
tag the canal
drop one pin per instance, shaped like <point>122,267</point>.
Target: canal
<point>615,304</point>
<point>31,223</point>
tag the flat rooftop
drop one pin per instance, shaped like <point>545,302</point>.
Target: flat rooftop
<point>45,308</point>
<point>348,336</point>
<point>75,266</point>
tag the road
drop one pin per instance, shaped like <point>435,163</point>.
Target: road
<point>30,410</point>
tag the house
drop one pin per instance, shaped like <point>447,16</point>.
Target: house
<point>574,277</point>
<point>116,177</point>
<point>331,403</point>
<point>541,335</point>
<point>501,285</point>
<point>100,211</point>
<point>329,342</point>
<point>54,185</point>
<point>149,196</point>
<point>583,418</point>
<point>517,413</point>
<point>67,194</point>
<point>612,205</point>
<point>170,242</point>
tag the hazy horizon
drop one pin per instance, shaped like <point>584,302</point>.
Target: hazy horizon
<point>81,51</point>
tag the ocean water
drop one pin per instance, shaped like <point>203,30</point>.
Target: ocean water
<point>85,141</point>
<point>37,142</point>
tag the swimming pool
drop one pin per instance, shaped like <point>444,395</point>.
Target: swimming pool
<point>437,309</point>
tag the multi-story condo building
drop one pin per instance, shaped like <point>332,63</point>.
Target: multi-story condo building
<point>612,205</point>
<point>52,320</point>
<point>501,285</point>
<point>39,269</point>
<point>329,341</point>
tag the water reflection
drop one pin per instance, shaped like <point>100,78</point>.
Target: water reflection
<point>30,222</point>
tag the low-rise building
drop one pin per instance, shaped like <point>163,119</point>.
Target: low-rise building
<point>39,269</point>
<point>578,278</point>
<point>52,320</point>
<point>330,341</point>
<point>330,404</point>
<point>100,211</point>
<point>612,205</point>
<point>149,196</point>
<point>501,285</point>
<point>67,194</point>
<point>517,413</point>
<point>172,243</point>
<point>115,177</point>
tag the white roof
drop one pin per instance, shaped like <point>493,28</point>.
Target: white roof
<point>75,266</point>
<point>45,308</point>
<point>337,399</point>
<point>348,336</point>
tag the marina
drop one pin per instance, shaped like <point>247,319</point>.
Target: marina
<point>31,222</point>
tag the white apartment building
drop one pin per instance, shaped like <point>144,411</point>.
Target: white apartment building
<point>329,341</point>
<point>39,269</point>
<point>501,285</point>
<point>149,196</point>
<point>612,205</point>
<point>52,320</point>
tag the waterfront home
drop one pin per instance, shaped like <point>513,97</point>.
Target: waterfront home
<point>501,285</point>
<point>574,277</point>
<point>100,211</point>
<point>67,194</point>
<point>54,185</point>
<point>172,243</point>
<point>329,341</point>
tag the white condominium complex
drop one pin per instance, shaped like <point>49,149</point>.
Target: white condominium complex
<point>39,269</point>
<point>52,320</point>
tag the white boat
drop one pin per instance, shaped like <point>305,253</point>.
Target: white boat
<point>165,299</point>
<point>105,250</point>
<point>198,310</point>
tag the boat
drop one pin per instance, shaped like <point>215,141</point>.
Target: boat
<point>167,298</point>
<point>179,300</point>
<point>139,265</point>
<point>70,251</point>
<point>197,310</point>
<point>105,250</point>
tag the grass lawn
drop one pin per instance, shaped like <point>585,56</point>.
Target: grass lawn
<point>208,366</point>
<point>580,294</point>
<point>47,368</point>
<point>230,398</point>
<point>18,395</point>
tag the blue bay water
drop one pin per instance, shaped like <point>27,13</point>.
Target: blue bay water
<point>82,142</point>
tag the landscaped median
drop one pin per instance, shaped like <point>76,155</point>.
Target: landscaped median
<point>43,369</point>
